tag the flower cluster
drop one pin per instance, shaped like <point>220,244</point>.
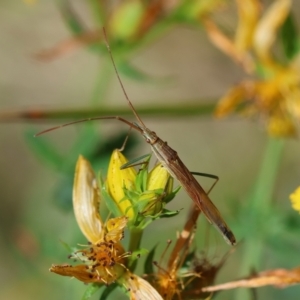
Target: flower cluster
<point>273,93</point>
<point>104,260</point>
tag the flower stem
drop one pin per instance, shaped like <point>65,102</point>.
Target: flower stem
<point>258,208</point>
<point>134,244</point>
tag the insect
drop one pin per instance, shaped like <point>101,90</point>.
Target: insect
<point>170,160</point>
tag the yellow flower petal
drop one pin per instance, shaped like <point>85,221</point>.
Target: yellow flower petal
<point>281,126</point>
<point>103,263</point>
<point>86,201</point>
<point>115,228</point>
<point>233,98</point>
<point>295,199</point>
<point>248,11</point>
<point>118,179</point>
<point>158,178</point>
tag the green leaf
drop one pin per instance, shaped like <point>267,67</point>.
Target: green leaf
<point>44,149</point>
<point>148,265</point>
<point>289,37</point>
<point>132,72</point>
<point>70,17</point>
<point>91,290</point>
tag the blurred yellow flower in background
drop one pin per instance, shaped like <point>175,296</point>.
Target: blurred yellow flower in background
<point>273,93</point>
<point>295,199</point>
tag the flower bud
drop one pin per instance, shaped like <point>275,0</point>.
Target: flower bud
<point>118,179</point>
<point>157,182</point>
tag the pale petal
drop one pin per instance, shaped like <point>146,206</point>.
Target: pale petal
<point>115,228</point>
<point>86,201</point>
<point>139,289</point>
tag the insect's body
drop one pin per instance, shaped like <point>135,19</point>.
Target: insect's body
<point>171,161</point>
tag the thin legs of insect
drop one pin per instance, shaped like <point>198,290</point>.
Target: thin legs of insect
<point>136,162</point>
<point>171,161</point>
<point>125,141</point>
<point>209,176</point>
<point>130,124</point>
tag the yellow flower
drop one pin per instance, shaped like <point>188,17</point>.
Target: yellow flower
<point>104,260</point>
<point>158,180</point>
<point>274,97</point>
<point>295,199</point>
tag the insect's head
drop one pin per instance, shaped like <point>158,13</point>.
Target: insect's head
<point>150,136</point>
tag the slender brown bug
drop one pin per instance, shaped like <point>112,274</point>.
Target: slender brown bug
<point>171,161</point>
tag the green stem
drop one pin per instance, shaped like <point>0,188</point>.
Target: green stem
<point>88,133</point>
<point>258,208</point>
<point>102,82</point>
<point>191,108</point>
<point>134,244</point>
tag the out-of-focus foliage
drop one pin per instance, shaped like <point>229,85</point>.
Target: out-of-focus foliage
<point>260,37</point>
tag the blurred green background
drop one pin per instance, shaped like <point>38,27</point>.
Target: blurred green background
<point>186,68</point>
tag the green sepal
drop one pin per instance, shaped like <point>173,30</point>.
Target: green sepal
<point>169,213</point>
<point>108,290</point>
<point>142,177</point>
<point>138,253</point>
<point>91,290</point>
<point>148,265</point>
<point>171,195</point>
<point>109,202</point>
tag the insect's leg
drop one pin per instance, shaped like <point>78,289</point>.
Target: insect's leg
<point>137,161</point>
<point>209,176</point>
<point>125,141</point>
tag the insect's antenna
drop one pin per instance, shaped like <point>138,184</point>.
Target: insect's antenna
<point>120,81</point>
<point>132,125</point>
